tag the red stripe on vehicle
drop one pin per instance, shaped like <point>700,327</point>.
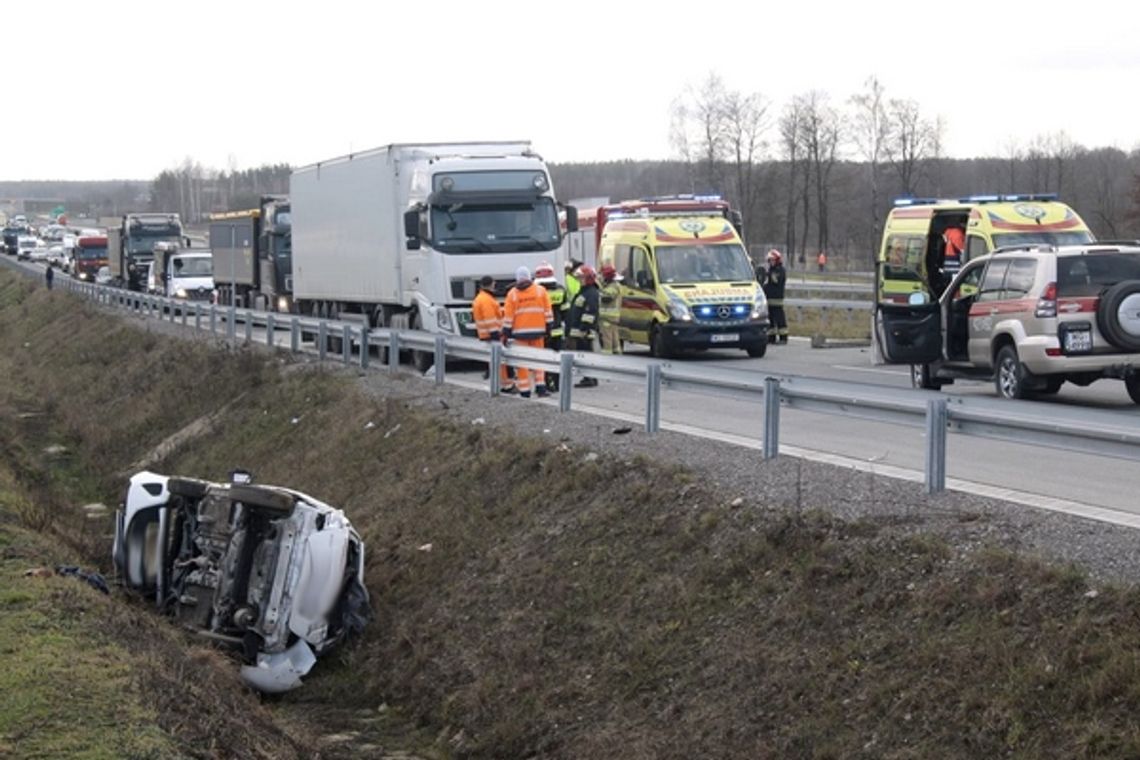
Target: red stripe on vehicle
<point>1077,305</point>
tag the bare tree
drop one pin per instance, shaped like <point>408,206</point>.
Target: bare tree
<point>1011,150</point>
<point>820,133</point>
<point>745,124</point>
<point>869,133</point>
<point>790,126</point>
<point>697,130</point>
<point>912,141</point>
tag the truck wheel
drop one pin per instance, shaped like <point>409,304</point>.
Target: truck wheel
<point>922,377</point>
<point>758,350</point>
<point>1010,377</point>
<point>421,360</point>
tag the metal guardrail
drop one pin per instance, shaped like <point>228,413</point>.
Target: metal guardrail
<point>1080,430</point>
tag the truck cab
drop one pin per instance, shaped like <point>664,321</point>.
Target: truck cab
<point>182,273</point>
<point>89,257</point>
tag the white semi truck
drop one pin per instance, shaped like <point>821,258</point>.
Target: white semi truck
<point>399,236</point>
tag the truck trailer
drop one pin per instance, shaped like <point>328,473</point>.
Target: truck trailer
<point>253,255</point>
<point>399,236</point>
<point>130,246</point>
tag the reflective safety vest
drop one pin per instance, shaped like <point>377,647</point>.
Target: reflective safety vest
<point>527,312</point>
<point>488,316</point>
<point>559,304</point>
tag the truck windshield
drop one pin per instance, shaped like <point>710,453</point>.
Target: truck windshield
<point>199,266</point>
<point>719,262</point>
<point>1004,239</point>
<point>91,254</point>
<point>497,227</point>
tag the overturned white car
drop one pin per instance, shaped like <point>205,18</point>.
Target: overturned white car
<point>272,572</point>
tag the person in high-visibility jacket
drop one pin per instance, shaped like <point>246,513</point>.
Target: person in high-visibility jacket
<point>583,323</point>
<point>560,305</point>
<point>774,281</point>
<point>572,282</point>
<point>527,318</point>
<point>488,316</point>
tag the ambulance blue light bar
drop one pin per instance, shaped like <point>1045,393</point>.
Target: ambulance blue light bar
<point>914,201</point>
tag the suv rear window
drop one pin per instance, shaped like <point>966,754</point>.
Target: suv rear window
<point>1090,274</point>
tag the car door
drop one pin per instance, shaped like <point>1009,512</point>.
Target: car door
<point>959,298</point>
<point>985,312</point>
<point>639,301</point>
<point>908,326</point>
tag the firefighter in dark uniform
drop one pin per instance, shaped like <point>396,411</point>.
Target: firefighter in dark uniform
<point>773,281</point>
<point>582,324</point>
<point>559,303</point>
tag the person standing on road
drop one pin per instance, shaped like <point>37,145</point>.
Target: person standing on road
<point>559,304</point>
<point>583,322</point>
<point>821,259</point>
<point>49,275</point>
<point>773,283</point>
<point>527,318</point>
<point>609,309</point>
<point>488,316</point>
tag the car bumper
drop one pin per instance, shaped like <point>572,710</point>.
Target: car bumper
<point>681,335</point>
<point>1032,354</point>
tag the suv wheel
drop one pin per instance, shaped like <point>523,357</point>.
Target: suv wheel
<point>1132,383</point>
<point>1118,315</point>
<point>1010,377</point>
<point>922,377</point>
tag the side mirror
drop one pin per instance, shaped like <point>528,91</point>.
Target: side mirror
<point>412,228</point>
<point>571,218</point>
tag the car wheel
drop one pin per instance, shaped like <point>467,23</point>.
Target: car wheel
<point>758,350</point>
<point>262,498</point>
<point>658,346</point>
<point>188,487</point>
<point>1010,376</point>
<point>1118,315</point>
<point>1132,383</point>
<point>922,377</point>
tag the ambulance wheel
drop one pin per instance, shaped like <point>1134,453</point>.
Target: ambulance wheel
<point>658,346</point>
<point>758,350</point>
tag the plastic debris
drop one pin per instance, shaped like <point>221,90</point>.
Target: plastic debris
<point>478,421</point>
<point>370,425</point>
<point>392,432</point>
<point>622,430</point>
<point>425,547</point>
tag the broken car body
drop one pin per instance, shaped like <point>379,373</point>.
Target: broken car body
<point>270,571</point>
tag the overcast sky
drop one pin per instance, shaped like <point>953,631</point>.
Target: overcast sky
<point>114,89</point>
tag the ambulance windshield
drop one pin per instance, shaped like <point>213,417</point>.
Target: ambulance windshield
<point>718,262</point>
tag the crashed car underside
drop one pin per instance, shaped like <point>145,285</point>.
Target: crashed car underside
<point>271,572</point>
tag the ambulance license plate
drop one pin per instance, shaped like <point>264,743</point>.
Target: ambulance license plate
<point>724,338</point>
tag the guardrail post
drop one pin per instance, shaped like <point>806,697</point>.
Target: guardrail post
<point>653,398</point>
<point>269,328</point>
<point>346,344</point>
<point>771,417</point>
<point>197,316</point>
<point>364,349</point>
<point>322,339</point>
<point>213,319</point>
<point>565,370</point>
<point>231,324</point>
<point>936,417</point>
<point>393,351</point>
<point>248,321</point>
<point>494,369</point>
<point>440,358</point>
<point>295,335</point>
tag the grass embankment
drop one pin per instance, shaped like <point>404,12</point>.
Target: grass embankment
<point>530,602</point>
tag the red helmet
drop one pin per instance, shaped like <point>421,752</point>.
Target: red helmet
<point>543,270</point>
<point>587,274</point>
<point>608,271</point>
<point>776,256</point>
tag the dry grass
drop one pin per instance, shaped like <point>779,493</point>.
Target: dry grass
<point>616,609</point>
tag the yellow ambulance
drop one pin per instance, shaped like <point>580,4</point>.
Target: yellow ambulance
<point>685,280</point>
<point>913,260</point>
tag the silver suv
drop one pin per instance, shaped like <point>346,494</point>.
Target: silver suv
<point>1030,317</point>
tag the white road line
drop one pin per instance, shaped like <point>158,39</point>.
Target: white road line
<point>1025,498</point>
<point>894,372</point>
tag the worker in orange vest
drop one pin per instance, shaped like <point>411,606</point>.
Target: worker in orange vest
<point>527,318</point>
<point>822,260</point>
<point>488,315</point>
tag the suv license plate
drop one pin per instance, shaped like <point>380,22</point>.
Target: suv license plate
<point>724,338</point>
<point>1078,341</point>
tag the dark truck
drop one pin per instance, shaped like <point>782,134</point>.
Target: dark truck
<point>11,238</point>
<point>130,246</point>
<point>253,255</point>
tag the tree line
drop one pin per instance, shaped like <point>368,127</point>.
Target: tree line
<point>817,174</point>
